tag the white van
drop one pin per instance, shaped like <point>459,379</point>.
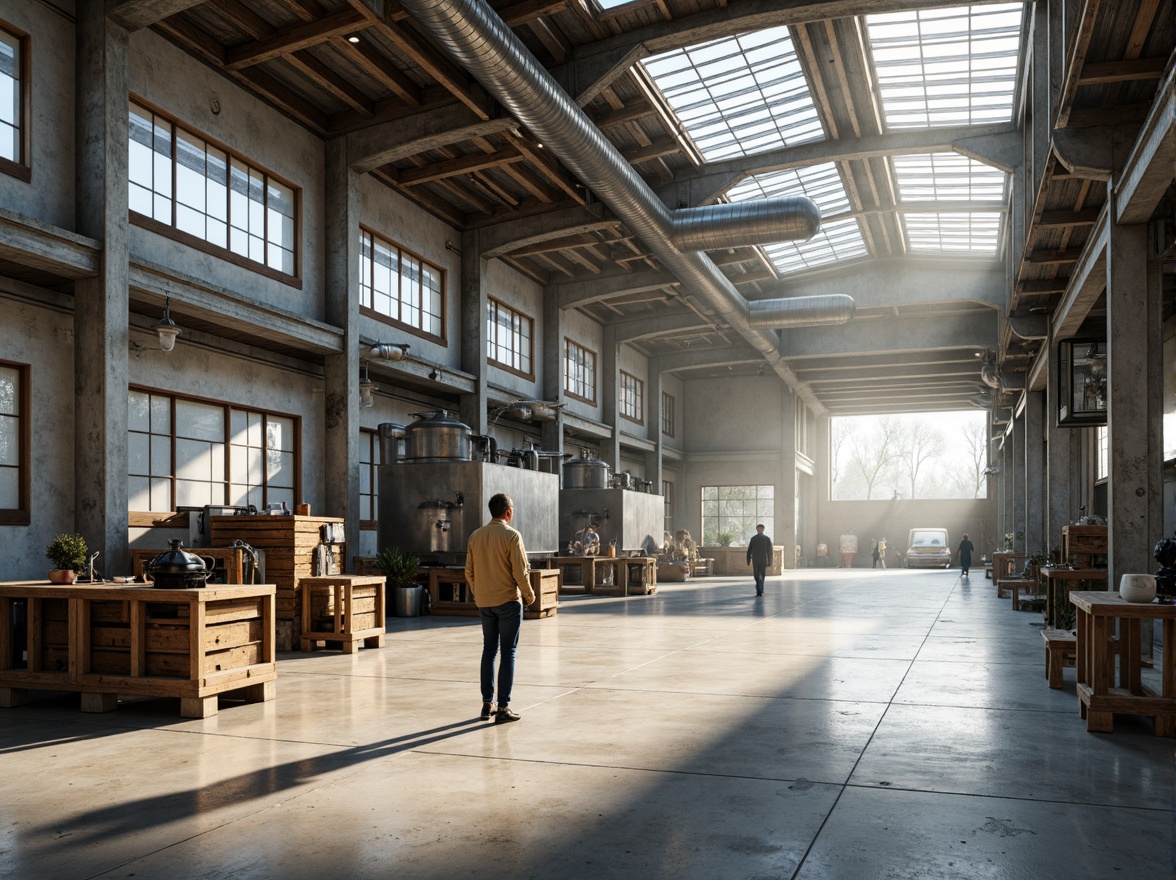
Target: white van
<point>928,548</point>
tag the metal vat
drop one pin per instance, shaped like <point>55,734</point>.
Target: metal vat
<point>585,473</point>
<point>436,436</point>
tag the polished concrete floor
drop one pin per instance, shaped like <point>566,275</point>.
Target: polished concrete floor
<point>852,725</point>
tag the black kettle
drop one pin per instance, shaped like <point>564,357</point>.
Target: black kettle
<point>177,569</point>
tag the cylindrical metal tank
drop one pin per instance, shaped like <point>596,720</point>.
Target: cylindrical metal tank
<point>585,473</point>
<point>436,436</point>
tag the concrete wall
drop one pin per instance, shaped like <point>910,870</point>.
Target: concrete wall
<point>175,82</point>
<point>43,339</point>
<point>49,196</point>
<point>673,386</point>
<point>731,415</point>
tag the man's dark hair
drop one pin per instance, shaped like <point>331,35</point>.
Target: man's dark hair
<point>499,505</point>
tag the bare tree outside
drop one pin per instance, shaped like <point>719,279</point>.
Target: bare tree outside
<point>872,455</point>
<point>915,455</point>
<point>918,444</point>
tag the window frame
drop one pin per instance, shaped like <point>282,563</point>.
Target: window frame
<point>667,414</point>
<point>568,345</point>
<point>150,517</point>
<point>496,303</point>
<point>399,323</point>
<point>767,518</point>
<point>371,438</point>
<point>22,167</point>
<point>637,395</point>
<point>173,232</point>
<point>21,515</point>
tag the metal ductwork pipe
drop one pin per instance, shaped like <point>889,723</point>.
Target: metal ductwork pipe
<point>742,224</point>
<point>801,311</point>
<point>473,34</point>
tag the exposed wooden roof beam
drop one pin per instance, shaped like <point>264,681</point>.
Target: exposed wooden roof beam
<point>631,112</point>
<point>291,39</point>
<point>369,58</point>
<point>1097,73</point>
<point>660,147</point>
<point>529,10</point>
<point>546,167</point>
<point>332,82</point>
<point>1070,255</point>
<point>242,17</point>
<point>1077,60</point>
<point>466,164</point>
<point>136,14</point>
<point>1068,218</point>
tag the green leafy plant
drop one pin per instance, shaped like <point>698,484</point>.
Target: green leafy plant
<point>67,552</point>
<point>725,538</point>
<point>398,566</point>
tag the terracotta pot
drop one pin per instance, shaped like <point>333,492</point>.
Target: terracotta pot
<point>62,576</point>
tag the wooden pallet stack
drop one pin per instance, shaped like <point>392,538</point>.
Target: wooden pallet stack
<point>289,543</point>
<point>1084,546</point>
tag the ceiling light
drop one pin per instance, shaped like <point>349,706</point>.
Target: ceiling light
<point>389,351</point>
<point>353,39</point>
<point>167,329</point>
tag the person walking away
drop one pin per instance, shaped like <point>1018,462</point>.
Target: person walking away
<point>498,576</point>
<point>875,554</point>
<point>759,557</point>
<point>965,551</point>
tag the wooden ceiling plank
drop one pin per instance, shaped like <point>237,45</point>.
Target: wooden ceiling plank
<point>195,40</point>
<point>428,200</point>
<point>1070,255</point>
<point>307,10</point>
<point>466,164</point>
<point>551,40</point>
<point>328,79</point>
<point>240,16</point>
<point>555,244</point>
<point>529,10</point>
<point>1068,218</point>
<point>368,57</point>
<point>630,112</point>
<point>655,150</point>
<point>424,57</point>
<point>541,163</point>
<point>576,257</point>
<point>289,40</point>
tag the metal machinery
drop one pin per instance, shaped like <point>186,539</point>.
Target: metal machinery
<point>621,508</point>
<point>436,494</point>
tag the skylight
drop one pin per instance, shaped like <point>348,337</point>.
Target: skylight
<point>739,95</point>
<point>841,240</point>
<point>955,66</point>
<point>957,182</point>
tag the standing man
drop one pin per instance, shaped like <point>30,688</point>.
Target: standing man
<point>965,551</point>
<point>498,576</point>
<point>759,557</point>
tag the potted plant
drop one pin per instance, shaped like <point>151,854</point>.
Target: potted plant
<point>68,555</point>
<point>725,538</point>
<point>399,567</point>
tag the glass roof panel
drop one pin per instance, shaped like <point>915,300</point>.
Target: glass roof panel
<point>835,243</point>
<point>738,95</point>
<point>947,177</point>
<point>954,66</point>
<point>973,233</point>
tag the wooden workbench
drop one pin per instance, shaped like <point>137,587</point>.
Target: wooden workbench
<point>104,641</point>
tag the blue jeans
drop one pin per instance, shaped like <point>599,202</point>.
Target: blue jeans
<point>758,571</point>
<point>500,630</point>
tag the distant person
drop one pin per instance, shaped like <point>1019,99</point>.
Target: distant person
<point>965,551</point>
<point>498,576</point>
<point>759,557</point>
<point>875,554</point>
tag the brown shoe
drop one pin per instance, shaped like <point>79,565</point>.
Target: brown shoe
<point>504,715</point>
<point>487,711</point>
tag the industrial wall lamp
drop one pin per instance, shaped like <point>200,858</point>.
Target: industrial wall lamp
<point>167,329</point>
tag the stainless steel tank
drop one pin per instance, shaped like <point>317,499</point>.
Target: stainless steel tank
<point>585,473</point>
<point>436,436</point>
<point>634,520</point>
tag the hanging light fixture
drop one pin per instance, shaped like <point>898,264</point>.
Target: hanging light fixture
<point>167,329</point>
<point>367,389</point>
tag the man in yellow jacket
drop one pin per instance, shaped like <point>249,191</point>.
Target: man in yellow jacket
<point>498,576</point>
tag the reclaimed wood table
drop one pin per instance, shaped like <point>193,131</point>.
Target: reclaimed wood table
<point>1005,565</point>
<point>1060,582</point>
<point>104,641</point>
<point>343,608</point>
<point>1100,700</point>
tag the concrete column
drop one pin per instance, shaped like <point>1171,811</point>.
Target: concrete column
<point>1017,508</point>
<point>1036,540</point>
<point>101,303</point>
<point>1059,459</point>
<point>786,492</point>
<point>341,371</point>
<point>1135,407</point>
<point>473,301</point>
<point>653,396</point>
<point>551,433</point>
<point>610,386</point>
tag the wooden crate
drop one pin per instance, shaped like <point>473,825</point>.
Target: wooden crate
<point>191,644</point>
<point>545,583</point>
<point>1081,545</point>
<point>289,543</point>
<point>346,608</point>
<point>450,594</point>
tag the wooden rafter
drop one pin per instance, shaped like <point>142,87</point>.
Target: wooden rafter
<point>466,164</point>
<point>332,82</point>
<point>290,40</point>
<point>369,58</point>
